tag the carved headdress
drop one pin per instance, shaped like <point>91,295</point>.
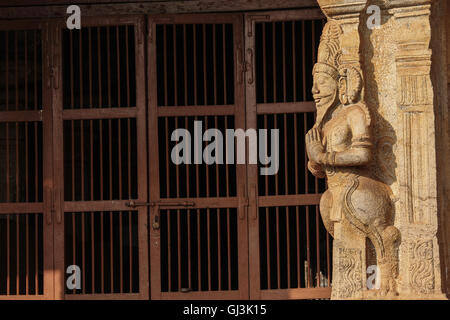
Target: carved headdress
<point>329,61</point>
<point>329,55</point>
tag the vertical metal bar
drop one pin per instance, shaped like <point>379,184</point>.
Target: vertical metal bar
<point>36,162</point>
<point>229,248</point>
<point>269,254</point>
<point>81,70</point>
<point>275,98</point>
<point>283,32</point>
<point>7,70</point>
<point>179,248</point>
<point>175,65</point>
<point>165,65</point>
<point>219,253</point>
<point>167,158</point>
<point>83,249</point>
<point>121,250</point>
<point>294,62</point>
<point>8,191</point>
<point>8,254</point>
<point>169,247</point>
<point>204,67</point>
<point>215,64</point>
<point>119,104</point>
<point>17,255</point>
<point>208,228</point>
<point>206,165</point>
<point>111,197</point>
<point>197,175</point>
<point>305,128</point>
<point>308,254</point>
<point>73,244</point>
<point>328,261</point>
<point>297,232</point>
<point>188,181</point>
<point>111,250</point>
<point>195,66</point>
<point>73,158</point>
<point>26,106</point>
<point>130,240</point>
<point>288,238</point>
<point>99,64</point>
<point>27,250</point>
<point>189,247</point>
<point>277,211</point>
<point>119,143</point>
<point>227,179</point>
<point>199,252</point>
<point>36,254</point>
<point>102,255</point>
<point>224,50</point>
<point>264,53</point>
<point>71,71</point>
<point>185,67</point>
<point>303,61</point>
<point>35,70</point>
<point>17,164</point>
<point>16,71</point>
<point>217,165</point>
<point>177,168</point>
<point>27,198</point>
<point>90,67</point>
<point>82,158</point>
<point>92,253</point>
<point>317,247</point>
<point>266,147</point>
<point>127,66</point>
<point>91,160</point>
<point>108,55</point>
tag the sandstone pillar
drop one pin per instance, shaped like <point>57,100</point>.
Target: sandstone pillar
<point>409,108</point>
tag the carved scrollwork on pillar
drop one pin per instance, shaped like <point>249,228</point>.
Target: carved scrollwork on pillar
<point>421,269</point>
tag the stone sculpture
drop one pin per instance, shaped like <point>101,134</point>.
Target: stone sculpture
<point>340,148</point>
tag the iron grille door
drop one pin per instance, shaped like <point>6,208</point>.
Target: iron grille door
<point>26,206</point>
<point>100,158</point>
<point>198,227</point>
<point>289,247</point>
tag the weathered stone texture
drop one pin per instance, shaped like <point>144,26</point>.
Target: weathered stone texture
<point>402,66</point>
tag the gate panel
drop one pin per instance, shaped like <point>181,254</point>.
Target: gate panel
<point>26,232</point>
<point>198,236</point>
<point>100,127</point>
<point>289,245</point>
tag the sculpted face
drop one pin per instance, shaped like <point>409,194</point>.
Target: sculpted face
<point>324,90</point>
<point>325,94</point>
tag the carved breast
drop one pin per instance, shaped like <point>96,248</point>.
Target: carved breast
<point>336,134</point>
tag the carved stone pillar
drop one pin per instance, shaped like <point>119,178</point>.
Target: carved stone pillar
<point>400,90</point>
<point>349,245</point>
<point>419,270</point>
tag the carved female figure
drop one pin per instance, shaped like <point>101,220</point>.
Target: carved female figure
<point>339,146</point>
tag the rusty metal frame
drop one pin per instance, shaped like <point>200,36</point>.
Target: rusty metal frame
<point>139,113</point>
<point>154,112</point>
<point>255,201</point>
<point>46,207</point>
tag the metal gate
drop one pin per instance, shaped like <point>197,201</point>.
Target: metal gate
<point>26,213</point>
<point>89,182</point>
<point>288,246</point>
<point>100,146</point>
<point>198,228</point>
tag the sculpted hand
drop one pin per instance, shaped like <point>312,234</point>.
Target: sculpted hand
<point>314,146</point>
